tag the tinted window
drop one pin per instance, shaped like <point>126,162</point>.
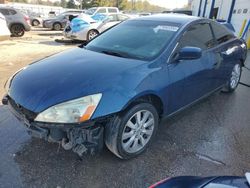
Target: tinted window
<point>12,12</point>
<point>222,34</point>
<point>245,11</point>
<point>135,39</point>
<point>102,10</point>
<point>199,35</point>
<point>112,10</point>
<point>4,11</point>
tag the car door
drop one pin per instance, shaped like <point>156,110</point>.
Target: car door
<point>192,79</point>
<point>225,51</point>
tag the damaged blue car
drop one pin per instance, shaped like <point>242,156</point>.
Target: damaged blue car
<point>115,89</point>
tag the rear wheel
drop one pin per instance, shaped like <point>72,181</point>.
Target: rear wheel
<point>35,23</point>
<point>57,26</point>
<point>92,34</point>
<point>17,30</point>
<point>234,80</point>
<point>129,134</point>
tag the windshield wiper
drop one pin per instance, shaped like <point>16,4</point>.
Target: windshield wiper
<point>118,54</point>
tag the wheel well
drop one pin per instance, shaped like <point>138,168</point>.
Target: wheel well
<point>150,98</point>
<point>16,24</point>
<point>36,20</point>
<point>242,62</point>
<point>57,23</point>
<point>93,30</point>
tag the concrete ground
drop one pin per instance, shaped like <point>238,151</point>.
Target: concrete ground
<point>210,138</point>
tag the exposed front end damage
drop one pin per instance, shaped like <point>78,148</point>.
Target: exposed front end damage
<point>85,138</point>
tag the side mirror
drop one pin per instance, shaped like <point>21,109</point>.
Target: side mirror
<point>189,53</point>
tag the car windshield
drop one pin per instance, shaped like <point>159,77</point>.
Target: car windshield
<point>135,39</point>
<point>91,11</point>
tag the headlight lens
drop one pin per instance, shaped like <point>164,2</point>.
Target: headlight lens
<point>74,111</point>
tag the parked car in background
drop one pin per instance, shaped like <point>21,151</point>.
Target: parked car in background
<point>17,22</point>
<point>36,19</point>
<point>187,12</point>
<point>4,30</point>
<point>59,22</point>
<point>115,89</point>
<point>85,28</point>
<point>102,10</point>
<point>145,14</point>
<point>204,182</point>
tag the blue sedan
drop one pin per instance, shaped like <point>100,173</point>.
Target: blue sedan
<point>115,89</point>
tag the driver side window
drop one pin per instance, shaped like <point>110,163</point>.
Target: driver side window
<point>199,35</point>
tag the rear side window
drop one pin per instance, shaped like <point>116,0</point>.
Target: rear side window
<point>112,10</point>
<point>222,34</point>
<point>4,11</point>
<point>112,18</point>
<point>101,10</point>
<point>122,17</point>
<point>12,12</point>
<point>199,35</point>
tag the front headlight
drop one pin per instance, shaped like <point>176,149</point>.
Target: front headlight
<point>74,111</point>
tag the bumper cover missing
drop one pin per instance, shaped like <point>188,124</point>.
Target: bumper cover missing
<point>81,138</point>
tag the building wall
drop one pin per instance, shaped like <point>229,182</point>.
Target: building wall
<point>240,13</point>
<point>195,7</point>
<point>241,10</point>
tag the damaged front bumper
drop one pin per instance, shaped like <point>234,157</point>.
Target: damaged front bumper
<point>82,138</point>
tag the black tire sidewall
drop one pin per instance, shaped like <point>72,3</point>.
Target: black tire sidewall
<point>122,120</point>
<point>92,30</point>
<point>34,22</point>
<point>13,32</point>
<point>54,26</point>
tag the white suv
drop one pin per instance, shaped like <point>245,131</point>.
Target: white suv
<point>102,10</point>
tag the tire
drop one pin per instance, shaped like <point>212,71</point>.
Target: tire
<point>17,30</point>
<point>35,23</point>
<point>125,138</point>
<point>57,26</point>
<point>234,79</point>
<point>92,34</point>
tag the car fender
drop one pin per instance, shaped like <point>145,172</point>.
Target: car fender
<point>120,97</point>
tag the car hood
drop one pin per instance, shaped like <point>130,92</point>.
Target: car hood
<point>68,75</point>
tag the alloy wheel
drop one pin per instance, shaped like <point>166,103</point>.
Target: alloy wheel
<point>138,131</point>
<point>92,34</point>
<point>235,77</point>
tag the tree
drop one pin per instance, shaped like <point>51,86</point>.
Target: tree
<point>63,3</point>
<point>71,4</point>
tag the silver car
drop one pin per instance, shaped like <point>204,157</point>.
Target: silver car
<point>17,22</point>
<point>91,28</point>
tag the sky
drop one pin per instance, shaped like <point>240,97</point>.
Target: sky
<point>171,4</point>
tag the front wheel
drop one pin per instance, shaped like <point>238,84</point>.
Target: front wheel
<point>129,134</point>
<point>234,80</point>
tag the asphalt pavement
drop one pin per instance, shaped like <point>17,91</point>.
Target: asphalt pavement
<point>211,138</point>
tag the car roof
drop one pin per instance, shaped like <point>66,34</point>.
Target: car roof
<point>174,18</point>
